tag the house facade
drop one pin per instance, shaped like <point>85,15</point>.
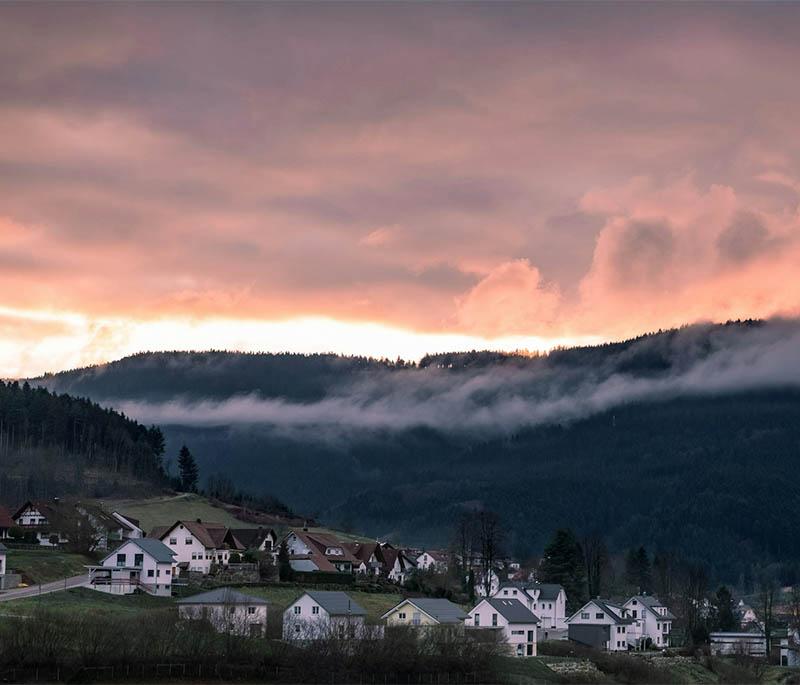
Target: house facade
<point>432,560</point>
<point>652,622</point>
<point>198,545</point>
<point>228,611</point>
<point>144,564</point>
<point>513,621</point>
<point>398,566</point>
<point>425,612</point>
<point>40,520</point>
<point>256,539</point>
<point>601,624</point>
<point>317,615</point>
<point>547,601</point>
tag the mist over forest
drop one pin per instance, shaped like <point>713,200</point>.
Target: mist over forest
<point>679,440</point>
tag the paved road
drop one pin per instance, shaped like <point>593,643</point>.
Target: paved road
<point>45,588</point>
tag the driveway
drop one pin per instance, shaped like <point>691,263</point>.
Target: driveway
<point>45,588</point>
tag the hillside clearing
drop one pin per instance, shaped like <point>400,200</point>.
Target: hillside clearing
<point>44,566</point>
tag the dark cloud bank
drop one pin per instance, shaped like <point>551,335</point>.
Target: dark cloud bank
<point>499,399</point>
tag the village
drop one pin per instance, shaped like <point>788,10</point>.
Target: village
<point>217,575</point>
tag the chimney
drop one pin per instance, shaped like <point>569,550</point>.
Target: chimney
<point>199,520</point>
<point>305,526</point>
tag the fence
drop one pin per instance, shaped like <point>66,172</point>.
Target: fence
<point>232,673</point>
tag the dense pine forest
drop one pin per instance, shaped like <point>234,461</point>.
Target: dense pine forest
<point>682,441</point>
<point>53,444</point>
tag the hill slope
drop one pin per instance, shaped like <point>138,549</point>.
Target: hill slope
<point>56,444</point>
<point>681,440</point>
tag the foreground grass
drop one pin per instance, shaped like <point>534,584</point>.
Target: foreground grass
<point>162,511</point>
<point>44,566</point>
<point>80,600</point>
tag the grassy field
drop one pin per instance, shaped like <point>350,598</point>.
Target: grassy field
<point>85,600</point>
<point>43,566</point>
<point>162,511</point>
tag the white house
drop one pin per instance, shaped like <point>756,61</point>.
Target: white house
<point>548,601</point>
<point>318,615</point>
<point>432,560</point>
<point>425,611</point>
<point>130,526</point>
<point>601,624</point>
<point>747,615</point>
<point>516,624</point>
<point>256,539</point>
<point>138,564</point>
<point>42,519</point>
<point>398,566</point>
<point>228,611</point>
<point>494,583</point>
<point>8,580</point>
<point>652,621</point>
<point>198,545</point>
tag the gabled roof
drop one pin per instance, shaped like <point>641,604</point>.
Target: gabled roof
<point>5,518</point>
<point>222,595</point>
<point>653,603</point>
<point>154,548</point>
<point>547,591</point>
<point>209,534</point>
<point>436,555</point>
<point>613,610</point>
<point>440,610</point>
<point>250,538</point>
<point>512,610</point>
<point>126,521</point>
<point>337,603</point>
<point>318,544</point>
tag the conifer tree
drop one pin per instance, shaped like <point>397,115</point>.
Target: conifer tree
<point>188,470</point>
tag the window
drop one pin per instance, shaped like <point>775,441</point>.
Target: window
<point>173,541</point>
<point>251,610</point>
<point>194,556</point>
<point>514,592</point>
<point>150,573</point>
<point>315,610</point>
<point>505,592</point>
<point>188,541</point>
<point>494,619</point>
<point>167,572</point>
<point>658,626</point>
<point>120,560</point>
<point>517,632</point>
<point>158,572</point>
<point>585,615</point>
<point>477,619</point>
<point>550,605</point>
<point>297,611</point>
<point>623,629</point>
<point>618,629</point>
<point>600,615</point>
<point>138,559</point>
<point>520,650</point>
<point>297,629</point>
<point>402,615</point>
<point>634,613</point>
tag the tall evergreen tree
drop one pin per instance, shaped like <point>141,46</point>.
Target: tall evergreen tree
<point>188,470</point>
<point>638,572</point>
<point>285,572</point>
<point>563,564</point>
<point>727,618</point>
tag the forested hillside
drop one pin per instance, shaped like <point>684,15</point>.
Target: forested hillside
<point>684,440</point>
<point>57,444</point>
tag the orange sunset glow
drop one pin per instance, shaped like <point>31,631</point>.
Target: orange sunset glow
<point>390,179</point>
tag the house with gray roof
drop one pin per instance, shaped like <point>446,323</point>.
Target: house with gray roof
<point>227,610</point>
<point>602,624</point>
<point>425,611</point>
<point>137,565</point>
<point>318,614</point>
<point>652,622</point>
<point>514,623</point>
<point>548,601</point>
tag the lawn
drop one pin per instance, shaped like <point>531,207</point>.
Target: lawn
<point>44,566</point>
<point>530,670</point>
<point>83,599</point>
<point>163,511</point>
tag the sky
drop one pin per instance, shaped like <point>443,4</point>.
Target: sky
<point>390,179</point>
